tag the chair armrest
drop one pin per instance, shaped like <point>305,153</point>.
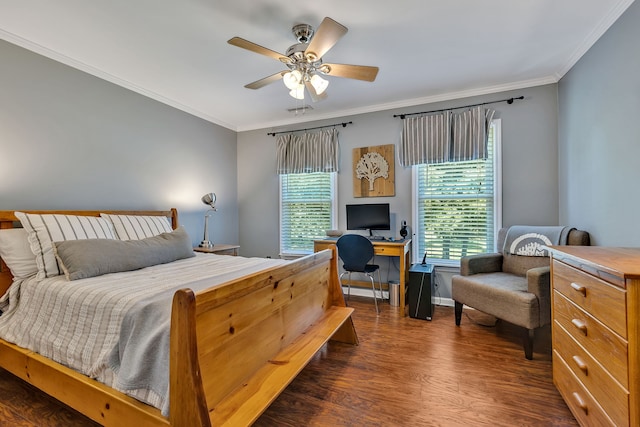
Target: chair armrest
<point>539,283</point>
<point>483,263</point>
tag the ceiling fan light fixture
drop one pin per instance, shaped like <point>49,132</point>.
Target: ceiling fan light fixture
<point>319,84</point>
<point>292,79</point>
<point>297,92</point>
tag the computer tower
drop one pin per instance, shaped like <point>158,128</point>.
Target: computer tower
<point>421,291</point>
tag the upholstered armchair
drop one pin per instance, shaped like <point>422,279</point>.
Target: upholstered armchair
<point>513,284</point>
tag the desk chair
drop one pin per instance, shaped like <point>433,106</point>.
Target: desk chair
<point>356,251</point>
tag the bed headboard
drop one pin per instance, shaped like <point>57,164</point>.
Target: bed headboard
<point>8,219</point>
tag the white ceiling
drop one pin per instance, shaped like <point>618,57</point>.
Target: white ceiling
<point>427,50</point>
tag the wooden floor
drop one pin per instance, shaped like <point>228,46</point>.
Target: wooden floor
<point>405,372</point>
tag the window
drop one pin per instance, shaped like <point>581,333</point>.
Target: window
<point>307,209</point>
<point>457,206</point>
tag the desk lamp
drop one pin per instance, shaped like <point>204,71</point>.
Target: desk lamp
<point>208,199</point>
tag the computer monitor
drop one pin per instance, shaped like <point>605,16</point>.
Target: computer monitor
<point>372,216</point>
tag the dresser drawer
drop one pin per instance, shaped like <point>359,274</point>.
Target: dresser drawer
<point>602,300</point>
<point>612,397</point>
<point>601,342</point>
<point>582,404</point>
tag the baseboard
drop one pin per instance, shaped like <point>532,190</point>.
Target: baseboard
<point>447,302</point>
<point>368,293</point>
<point>363,292</point>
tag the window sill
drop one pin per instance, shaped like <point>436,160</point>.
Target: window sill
<point>294,255</point>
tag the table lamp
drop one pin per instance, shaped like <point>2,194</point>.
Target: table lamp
<point>208,199</point>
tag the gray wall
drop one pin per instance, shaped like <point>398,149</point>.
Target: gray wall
<point>530,168</point>
<point>69,140</point>
<point>529,157</point>
<point>599,137</point>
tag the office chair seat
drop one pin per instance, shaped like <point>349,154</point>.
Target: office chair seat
<point>356,251</point>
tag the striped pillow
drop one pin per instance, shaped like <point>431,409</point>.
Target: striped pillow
<point>44,229</point>
<point>136,227</point>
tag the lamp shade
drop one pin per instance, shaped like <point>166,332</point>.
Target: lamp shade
<point>292,79</point>
<point>297,92</point>
<point>319,84</point>
<point>209,199</point>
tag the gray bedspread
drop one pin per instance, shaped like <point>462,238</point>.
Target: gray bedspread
<point>140,360</point>
<point>115,328</point>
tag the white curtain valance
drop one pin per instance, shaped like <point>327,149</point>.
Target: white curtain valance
<point>308,152</point>
<point>445,137</point>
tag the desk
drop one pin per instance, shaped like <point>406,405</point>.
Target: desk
<point>399,249</point>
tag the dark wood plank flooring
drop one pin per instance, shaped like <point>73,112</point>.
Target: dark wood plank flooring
<point>405,372</point>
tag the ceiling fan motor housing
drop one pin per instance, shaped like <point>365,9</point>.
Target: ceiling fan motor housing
<point>296,53</point>
<point>303,32</point>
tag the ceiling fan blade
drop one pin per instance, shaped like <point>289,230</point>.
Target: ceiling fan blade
<point>265,81</point>
<point>358,72</point>
<point>246,44</point>
<point>327,35</point>
<point>312,91</point>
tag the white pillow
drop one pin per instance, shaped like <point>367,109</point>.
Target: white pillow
<point>16,252</point>
<point>44,229</point>
<point>136,227</point>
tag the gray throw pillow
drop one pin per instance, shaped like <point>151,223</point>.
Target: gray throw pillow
<point>80,259</point>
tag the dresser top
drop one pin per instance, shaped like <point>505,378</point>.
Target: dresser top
<point>602,261</point>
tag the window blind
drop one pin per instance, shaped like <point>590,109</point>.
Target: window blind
<point>456,206</point>
<point>306,210</point>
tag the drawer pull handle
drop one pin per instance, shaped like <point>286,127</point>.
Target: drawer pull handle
<point>581,403</point>
<point>580,325</point>
<point>579,288</point>
<point>580,363</point>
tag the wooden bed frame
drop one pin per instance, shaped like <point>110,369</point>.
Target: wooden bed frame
<point>233,349</point>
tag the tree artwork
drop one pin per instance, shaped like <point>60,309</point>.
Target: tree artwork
<point>371,166</point>
<point>373,171</point>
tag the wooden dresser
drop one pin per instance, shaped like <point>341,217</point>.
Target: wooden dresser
<point>596,333</point>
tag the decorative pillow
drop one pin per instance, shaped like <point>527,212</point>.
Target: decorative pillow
<point>16,252</point>
<point>80,259</point>
<point>44,229</point>
<point>136,227</point>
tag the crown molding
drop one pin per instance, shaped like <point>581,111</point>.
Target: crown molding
<point>591,39</point>
<point>405,103</point>
<point>81,66</point>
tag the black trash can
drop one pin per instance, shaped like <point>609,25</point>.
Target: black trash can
<point>421,291</point>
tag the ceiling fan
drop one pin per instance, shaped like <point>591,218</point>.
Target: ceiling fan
<point>304,60</point>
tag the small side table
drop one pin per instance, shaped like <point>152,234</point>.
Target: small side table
<point>219,249</point>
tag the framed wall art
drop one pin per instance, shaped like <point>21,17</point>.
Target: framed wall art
<point>374,171</point>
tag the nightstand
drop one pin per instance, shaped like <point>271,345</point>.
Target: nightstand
<point>219,249</point>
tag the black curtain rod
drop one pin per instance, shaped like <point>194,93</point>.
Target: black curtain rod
<point>508,101</point>
<point>344,125</point>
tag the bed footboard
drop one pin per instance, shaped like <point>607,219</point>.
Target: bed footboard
<point>97,401</point>
<point>235,347</point>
